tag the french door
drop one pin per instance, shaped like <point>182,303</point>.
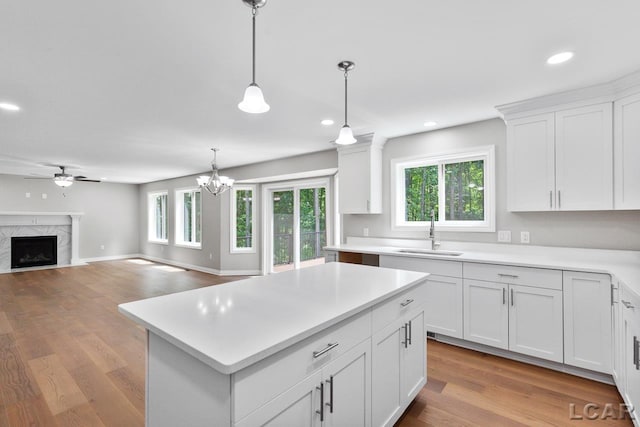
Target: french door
<point>296,221</point>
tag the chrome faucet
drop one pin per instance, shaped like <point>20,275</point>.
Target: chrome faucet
<point>432,232</point>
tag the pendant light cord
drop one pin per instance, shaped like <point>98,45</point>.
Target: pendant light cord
<point>345,98</point>
<point>254,11</point>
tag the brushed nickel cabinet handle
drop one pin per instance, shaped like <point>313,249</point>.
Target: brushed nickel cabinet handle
<point>636,352</point>
<point>513,276</point>
<point>550,198</point>
<point>627,304</point>
<point>406,303</point>
<point>512,299</point>
<point>410,333</point>
<point>504,296</point>
<point>329,346</point>
<point>406,341</point>
<point>559,200</point>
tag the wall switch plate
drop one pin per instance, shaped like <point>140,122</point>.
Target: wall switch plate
<point>27,195</point>
<point>44,195</point>
<point>524,237</point>
<point>210,256</point>
<point>102,247</point>
<point>504,236</point>
<point>365,232</point>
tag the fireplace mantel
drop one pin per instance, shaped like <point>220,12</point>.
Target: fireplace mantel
<point>22,218</point>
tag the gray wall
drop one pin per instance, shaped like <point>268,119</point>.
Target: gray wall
<point>606,229</point>
<point>216,253</point>
<point>110,210</point>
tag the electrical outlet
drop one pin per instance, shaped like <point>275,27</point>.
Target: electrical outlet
<point>504,236</point>
<point>524,237</point>
<point>102,247</point>
<point>210,256</point>
<point>365,232</point>
<point>44,195</point>
<point>27,195</point>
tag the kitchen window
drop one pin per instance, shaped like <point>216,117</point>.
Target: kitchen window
<point>157,210</point>
<point>243,219</point>
<point>189,218</point>
<point>458,186</point>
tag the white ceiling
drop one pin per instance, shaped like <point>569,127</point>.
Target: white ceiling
<point>138,91</point>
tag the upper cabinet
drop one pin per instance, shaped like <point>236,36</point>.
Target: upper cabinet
<point>561,160</point>
<point>575,151</point>
<point>360,176</point>
<point>627,152</point>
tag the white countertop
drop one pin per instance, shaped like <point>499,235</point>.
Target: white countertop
<point>234,325</point>
<point>622,265</point>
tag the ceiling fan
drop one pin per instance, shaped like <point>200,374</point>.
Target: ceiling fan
<point>64,179</point>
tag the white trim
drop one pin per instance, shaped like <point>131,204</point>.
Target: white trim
<point>232,219</point>
<point>267,214</point>
<point>110,258</point>
<point>179,218</point>
<point>31,213</point>
<point>485,153</point>
<point>194,267</point>
<point>151,217</point>
<point>290,176</point>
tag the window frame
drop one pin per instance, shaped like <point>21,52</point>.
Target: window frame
<point>234,249</point>
<point>179,218</point>
<point>398,166</point>
<point>152,220</point>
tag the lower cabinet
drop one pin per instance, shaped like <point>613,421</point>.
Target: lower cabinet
<point>587,320</point>
<point>443,305</point>
<point>337,395</point>
<point>399,367</point>
<point>523,319</point>
<point>630,346</point>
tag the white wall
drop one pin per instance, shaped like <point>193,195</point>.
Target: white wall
<point>110,210</point>
<point>606,229</point>
<point>216,253</point>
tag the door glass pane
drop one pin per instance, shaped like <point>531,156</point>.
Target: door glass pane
<point>244,210</point>
<point>313,226</point>
<point>283,230</point>
<point>187,217</point>
<point>464,191</point>
<point>198,219</point>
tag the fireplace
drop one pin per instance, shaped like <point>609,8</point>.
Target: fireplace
<point>33,251</point>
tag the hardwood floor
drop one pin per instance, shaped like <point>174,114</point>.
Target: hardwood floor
<point>68,358</point>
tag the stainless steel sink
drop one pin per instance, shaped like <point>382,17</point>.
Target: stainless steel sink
<point>429,252</point>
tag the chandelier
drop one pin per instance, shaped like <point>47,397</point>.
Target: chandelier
<point>215,184</point>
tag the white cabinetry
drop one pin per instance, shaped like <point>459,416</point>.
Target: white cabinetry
<point>631,349</point>
<point>561,160</point>
<point>399,368</point>
<point>360,172</point>
<point>627,152</point>
<point>338,395</point>
<point>587,320</point>
<point>443,292</point>
<point>514,308</point>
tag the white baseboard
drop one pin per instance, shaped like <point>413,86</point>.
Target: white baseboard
<point>110,258</point>
<point>200,268</point>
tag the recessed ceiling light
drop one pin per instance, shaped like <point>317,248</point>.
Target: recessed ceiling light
<point>429,124</point>
<point>327,122</point>
<point>559,58</point>
<point>6,106</point>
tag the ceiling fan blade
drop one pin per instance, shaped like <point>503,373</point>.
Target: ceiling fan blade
<point>85,179</point>
<point>79,177</point>
<point>34,177</point>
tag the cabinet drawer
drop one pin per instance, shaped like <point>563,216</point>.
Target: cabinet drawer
<point>259,383</point>
<point>538,277</point>
<point>433,266</point>
<point>388,311</point>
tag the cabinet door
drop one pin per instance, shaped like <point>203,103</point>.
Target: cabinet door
<point>531,163</point>
<point>443,305</point>
<point>535,322</point>
<point>354,192</point>
<point>626,146</point>
<point>584,158</point>
<point>348,388</point>
<point>486,313</point>
<point>587,320</point>
<point>386,353</point>
<point>631,335</point>
<point>295,407</point>
<point>414,358</point>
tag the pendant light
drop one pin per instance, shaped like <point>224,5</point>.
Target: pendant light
<point>215,184</point>
<point>253,101</point>
<point>346,134</point>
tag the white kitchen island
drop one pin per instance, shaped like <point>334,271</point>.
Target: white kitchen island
<point>335,344</point>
